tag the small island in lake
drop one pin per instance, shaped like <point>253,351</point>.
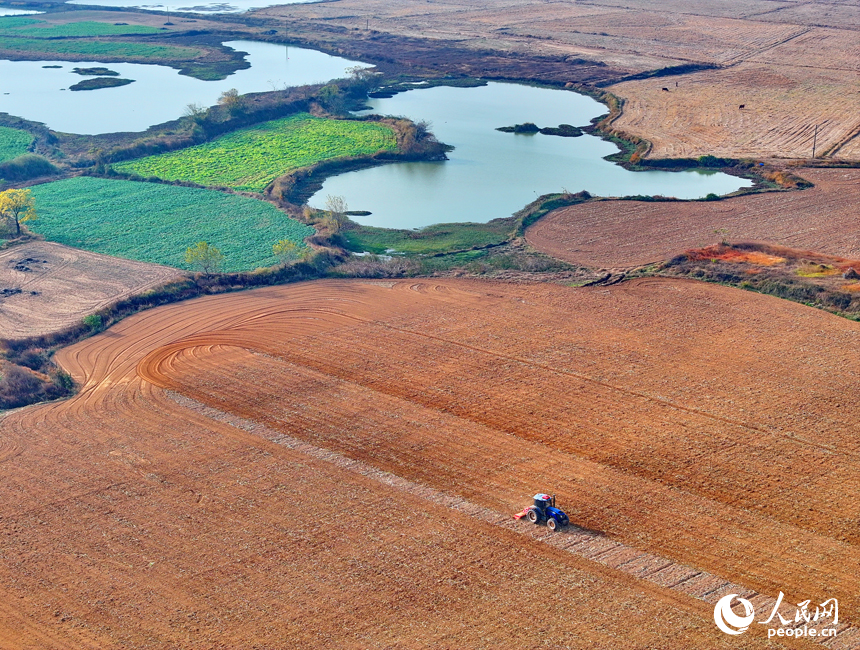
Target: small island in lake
<point>563,130</point>
<point>96,72</point>
<point>100,82</point>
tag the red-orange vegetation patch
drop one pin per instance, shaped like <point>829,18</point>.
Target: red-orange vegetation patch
<point>728,254</point>
<point>852,288</point>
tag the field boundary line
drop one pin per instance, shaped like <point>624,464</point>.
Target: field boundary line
<point>586,544</point>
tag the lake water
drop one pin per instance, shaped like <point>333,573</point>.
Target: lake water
<point>229,7</point>
<point>18,12</point>
<point>158,94</point>
<point>492,174</point>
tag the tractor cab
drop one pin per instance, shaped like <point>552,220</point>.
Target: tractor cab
<point>543,501</point>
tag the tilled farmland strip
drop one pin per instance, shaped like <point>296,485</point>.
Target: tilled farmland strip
<point>587,544</point>
<point>350,415</point>
<point>615,234</point>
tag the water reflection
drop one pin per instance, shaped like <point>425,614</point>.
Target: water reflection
<point>29,89</point>
<point>492,174</point>
<point>18,12</point>
<point>232,6</point>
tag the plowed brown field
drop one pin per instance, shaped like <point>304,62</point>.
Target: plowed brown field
<point>793,64</point>
<point>702,115</point>
<point>620,234</point>
<point>233,472</point>
<point>60,285</point>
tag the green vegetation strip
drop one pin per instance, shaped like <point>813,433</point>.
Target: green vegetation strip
<point>156,223</point>
<point>431,240</point>
<point>13,143</point>
<point>12,26</point>
<point>251,158</point>
<point>97,48</point>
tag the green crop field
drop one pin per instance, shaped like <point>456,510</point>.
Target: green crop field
<point>13,143</point>
<point>113,49</point>
<point>19,26</point>
<point>251,158</point>
<point>156,223</point>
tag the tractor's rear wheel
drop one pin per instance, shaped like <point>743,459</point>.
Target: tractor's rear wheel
<point>533,516</point>
<point>552,524</point>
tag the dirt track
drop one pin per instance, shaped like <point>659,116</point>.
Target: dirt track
<point>621,234</point>
<point>703,424</point>
<point>60,285</point>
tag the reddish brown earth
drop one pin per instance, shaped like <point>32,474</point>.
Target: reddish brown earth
<point>622,234</point>
<point>705,425</point>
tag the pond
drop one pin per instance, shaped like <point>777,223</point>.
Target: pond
<point>492,174</point>
<point>4,11</point>
<point>29,89</point>
<point>230,7</point>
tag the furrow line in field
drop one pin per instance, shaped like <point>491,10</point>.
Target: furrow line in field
<point>586,544</point>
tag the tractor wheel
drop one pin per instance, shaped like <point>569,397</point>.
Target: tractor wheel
<point>552,524</point>
<point>533,516</point>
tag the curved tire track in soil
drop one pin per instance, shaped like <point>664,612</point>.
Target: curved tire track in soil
<point>625,401</point>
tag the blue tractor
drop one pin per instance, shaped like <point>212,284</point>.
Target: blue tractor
<point>544,510</point>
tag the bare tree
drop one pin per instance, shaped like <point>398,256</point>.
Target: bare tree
<point>336,209</point>
<point>196,112</point>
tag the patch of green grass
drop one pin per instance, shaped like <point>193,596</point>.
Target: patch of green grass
<point>12,26</point>
<point>251,158</point>
<point>439,238</point>
<point>114,49</point>
<point>816,271</point>
<point>156,223</point>
<point>13,143</point>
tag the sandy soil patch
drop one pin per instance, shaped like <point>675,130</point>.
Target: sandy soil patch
<point>49,286</point>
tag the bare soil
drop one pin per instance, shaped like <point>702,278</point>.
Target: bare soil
<point>792,64</point>
<point>782,103</point>
<point>625,234</point>
<point>48,287</point>
<point>703,424</point>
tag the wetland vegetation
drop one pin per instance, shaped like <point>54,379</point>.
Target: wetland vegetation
<point>100,82</point>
